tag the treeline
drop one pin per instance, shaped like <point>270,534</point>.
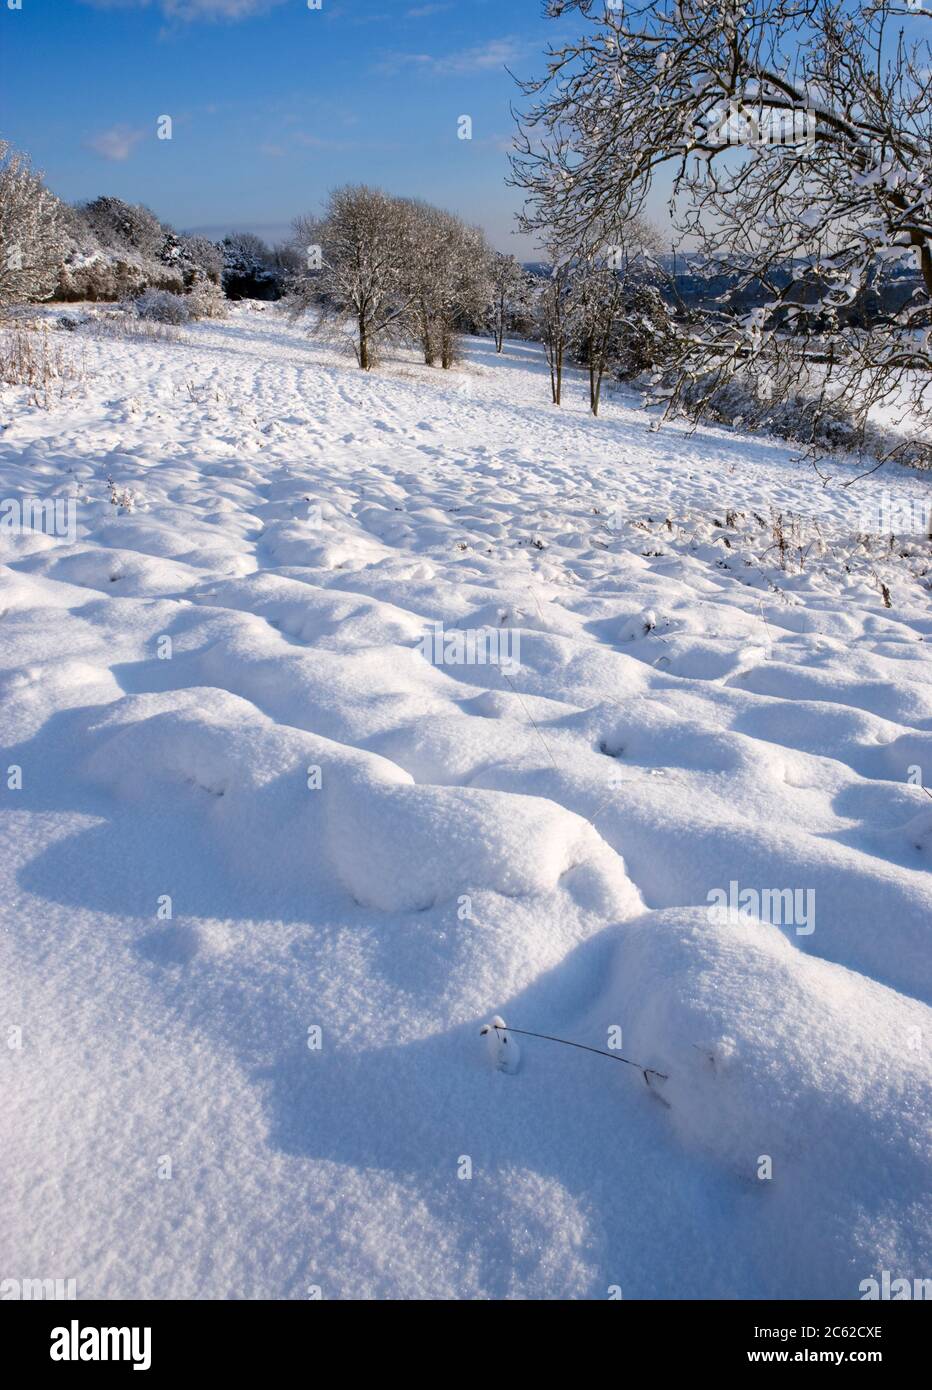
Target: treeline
<point>109,250</point>
<point>373,271</point>
<point>422,272</point>
<point>379,269</point>
<point>115,251</point>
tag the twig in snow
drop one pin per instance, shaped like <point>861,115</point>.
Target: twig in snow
<point>584,1047</point>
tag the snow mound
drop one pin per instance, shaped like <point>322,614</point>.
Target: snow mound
<point>406,848</point>
<point>391,845</point>
<point>805,1079</point>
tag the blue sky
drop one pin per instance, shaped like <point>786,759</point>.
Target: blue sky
<point>272,103</point>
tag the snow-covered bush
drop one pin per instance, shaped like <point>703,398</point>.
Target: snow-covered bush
<point>161,306</point>
<point>93,277</point>
<point>647,334</point>
<point>30,232</point>
<point>804,415</point>
<point>118,224</point>
<point>194,257</point>
<point>124,323</point>
<point>206,300</point>
<point>87,271</point>
<point>115,251</point>
<point>249,270</point>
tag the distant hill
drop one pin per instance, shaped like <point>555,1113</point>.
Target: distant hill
<point>683,280</point>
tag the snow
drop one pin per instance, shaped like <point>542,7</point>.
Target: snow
<point>266,881</point>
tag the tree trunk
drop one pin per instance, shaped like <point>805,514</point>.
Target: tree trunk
<point>427,342</point>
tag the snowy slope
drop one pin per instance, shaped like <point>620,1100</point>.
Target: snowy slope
<point>358,839</point>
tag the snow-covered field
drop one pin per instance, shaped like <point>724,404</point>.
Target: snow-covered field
<point>220,694</point>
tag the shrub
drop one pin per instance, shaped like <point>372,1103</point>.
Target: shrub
<point>118,324</point>
<point>804,417</point>
<point>205,300</point>
<point>191,258</point>
<point>118,224</point>
<point>115,251</point>
<point>29,357</point>
<point>249,270</point>
<point>647,333</point>
<point>161,306</point>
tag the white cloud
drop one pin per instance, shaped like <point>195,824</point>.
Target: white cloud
<point>486,57</point>
<point>494,54</point>
<point>116,143</point>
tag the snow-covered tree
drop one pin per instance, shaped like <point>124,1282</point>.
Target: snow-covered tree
<point>607,284</point>
<point>31,232</point>
<point>355,271</point>
<point>249,269</point>
<point>510,294</point>
<point>801,136</point>
<point>556,313</point>
<point>125,225</point>
<point>424,247</point>
<point>289,261</point>
<point>198,258</point>
<point>599,299</point>
<point>647,335</point>
<point>446,272</point>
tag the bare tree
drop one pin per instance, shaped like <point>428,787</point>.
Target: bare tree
<point>605,285</point>
<point>800,133</point>
<point>447,265</point>
<point>464,286</point>
<point>31,232</point>
<point>510,294</point>
<point>355,266</point>
<point>599,296</point>
<point>423,255</point>
<point>558,322</point>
